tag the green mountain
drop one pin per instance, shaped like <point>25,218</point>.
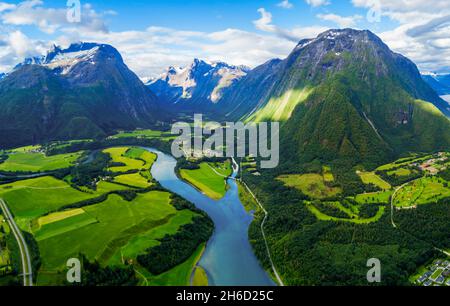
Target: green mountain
<point>344,94</point>
<point>84,91</point>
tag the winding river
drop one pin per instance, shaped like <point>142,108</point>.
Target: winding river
<point>228,258</point>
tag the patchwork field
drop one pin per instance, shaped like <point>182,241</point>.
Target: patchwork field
<point>23,161</point>
<point>131,158</point>
<point>372,178</point>
<point>113,232</point>
<point>210,179</point>
<point>32,198</point>
<point>313,185</point>
<point>102,229</point>
<point>422,191</point>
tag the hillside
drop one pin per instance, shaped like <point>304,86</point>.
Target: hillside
<point>344,94</point>
<point>81,92</point>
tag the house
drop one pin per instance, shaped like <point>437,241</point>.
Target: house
<point>440,280</point>
<point>428,283</point>
<point>422,279</point>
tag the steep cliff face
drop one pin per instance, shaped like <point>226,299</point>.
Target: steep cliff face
<point>197,86</point>
<point>83,91</point>
<point>344,94</point>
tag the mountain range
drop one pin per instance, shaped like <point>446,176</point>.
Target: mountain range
<point>84,91</point>
<point>439,82</point>
<point>198,85</point>
<point>341,95</point>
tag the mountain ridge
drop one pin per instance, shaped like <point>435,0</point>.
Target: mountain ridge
<point>83,91</point>
<point>197,85</point>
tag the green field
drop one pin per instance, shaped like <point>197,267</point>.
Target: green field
<point>118,155</point>
<point>422,191</point>
<point>328,176</point>
<point>134,179</point>
<point>372,178</point>
<point>178,276</point>
<point>32,198</point>
<point>200,277</point>
<point>142,241</point>
<point>374,197</point>
<point>207,180</point>
<point>38,162</point>
<point>313,185</point>
<point>148,134</point>
<point>353,217</point>
<point>400,172</point>
<point>117,221</point>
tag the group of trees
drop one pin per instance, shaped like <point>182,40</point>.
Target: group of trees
<point>175,249</point>
<point>307,251</point>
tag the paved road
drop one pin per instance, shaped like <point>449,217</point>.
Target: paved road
<point>27,271</point>
<point>266,215</point>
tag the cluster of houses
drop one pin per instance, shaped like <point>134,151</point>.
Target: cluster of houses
<point>432,165</point>
<point>438,274</point>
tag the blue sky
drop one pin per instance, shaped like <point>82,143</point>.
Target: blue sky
<point>153,34</point>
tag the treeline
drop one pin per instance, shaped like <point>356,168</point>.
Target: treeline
<point>397,180</point>
<point>85,174</point>
<point>96,275</point>
<point>161,145</point>
<point>307,251</point>
<point>176,249</point>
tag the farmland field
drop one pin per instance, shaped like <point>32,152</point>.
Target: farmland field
<point>422,191</point>
<point>372,178</point>
<point>116,221</point>
<point>313,185</point>
<point>374,197</point>
<point>134,179</point>
<point>207,180</point>
<point>32,198</point>
<point>38,162</point>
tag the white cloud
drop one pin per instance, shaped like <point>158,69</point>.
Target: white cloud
<point>424,31</point>
<point>6,6</point>
<point>49,20</point>
<point>316,3</point>
<point>342,22</point>
<point>285,4</point>
<point>265,24</point>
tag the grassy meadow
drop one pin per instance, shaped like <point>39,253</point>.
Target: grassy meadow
<point>38,162</point>
<point>210,178</point>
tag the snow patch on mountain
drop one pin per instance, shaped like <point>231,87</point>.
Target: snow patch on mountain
<point>199,81</point>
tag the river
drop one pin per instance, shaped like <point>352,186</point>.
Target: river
<point>228,258</point>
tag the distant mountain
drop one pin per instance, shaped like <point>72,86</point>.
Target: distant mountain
<point>83,91</point>
<point>343,95</point>
<point>2,75</point>
<point>439,82</point>
<point>198,85</point>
